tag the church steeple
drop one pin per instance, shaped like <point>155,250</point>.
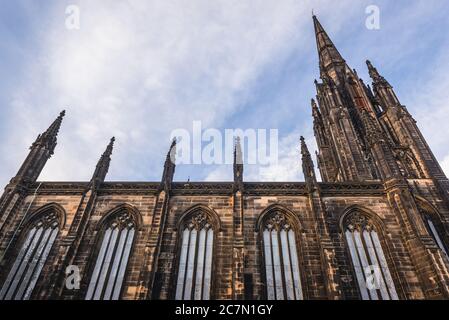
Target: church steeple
<point>40,151</point>
<point>103,164</point>
<point>331,61</point>
<point>238,166</point>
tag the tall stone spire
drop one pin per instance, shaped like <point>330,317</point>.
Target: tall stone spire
<point>40,151</point>
<point>308,167</point>
<point>238,166</point>
<point>169,167</point>
<point>103,164</point>
<point>330,58</point>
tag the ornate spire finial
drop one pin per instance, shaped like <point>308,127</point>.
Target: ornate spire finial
<point>375,75</point>
<point>103,164</point>
<point>308,167</point>
<point>315,110</point>
<point>169,167</point>
<point>238,157</point>
<point>304,148</point>
<point>48,139</point>
<point>171,155</point>
<point>238,166</point>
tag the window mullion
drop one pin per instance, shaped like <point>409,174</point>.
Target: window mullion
<point>203,283</point>
<point>208,267</point>
<point>24,264</point>
<point>363,259</point>
<point>98,264</point>
<point>123,265</point>
<point>195,264</point>
<point>384,264</point>
<point>106,264</point>
<point>182,270</point>
<point>375,262</point>
<point>114,269</point>
<point>277,265</point>
<point>295,264</point>
<point>32,264</point>
<point>281,261</point>
<point>357,265</point>
<point>200,265</point>
<point>271,295</point>
<point>290,293</point>
<point>17,262</point>
<point>41,264</point>
<point>190,265</point>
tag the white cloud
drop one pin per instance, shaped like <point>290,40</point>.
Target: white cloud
<point>139,69</point>
<point>430,106</point>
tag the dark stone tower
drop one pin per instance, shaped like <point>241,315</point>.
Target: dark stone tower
<point>364,136</point>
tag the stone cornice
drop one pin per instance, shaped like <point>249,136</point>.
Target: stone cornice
<point>348,188</point>
<point>211,188</point>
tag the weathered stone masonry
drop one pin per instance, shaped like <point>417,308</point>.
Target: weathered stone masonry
<point>379,177</point>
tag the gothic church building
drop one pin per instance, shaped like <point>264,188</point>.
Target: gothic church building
<point>375,228</point>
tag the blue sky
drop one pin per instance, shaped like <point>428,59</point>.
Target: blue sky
<point>139,69</point>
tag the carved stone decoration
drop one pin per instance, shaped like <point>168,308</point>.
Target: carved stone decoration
<point>123,220</point>
<point>407,162</point>
<point>358,222</point>
<point>277,221</point>
<point>49,220</point>
<point>197,221</point>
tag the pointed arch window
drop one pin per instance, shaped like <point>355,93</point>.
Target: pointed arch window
<point>283,279</point>
<point>433,224</point>
<point>195,262</point>
<point>31,258</point>
<point>368,258</point>
<point>112,259</point>
<point>433,230</point>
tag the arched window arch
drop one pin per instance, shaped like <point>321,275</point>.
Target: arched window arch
<point>36,241</point>
<point>197,229</point>
<point>368,258</point>
<point>116,238</point>
<point>280,252</point>
<point>408,165</point>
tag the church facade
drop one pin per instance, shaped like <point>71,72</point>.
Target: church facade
<point>375,228</point>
